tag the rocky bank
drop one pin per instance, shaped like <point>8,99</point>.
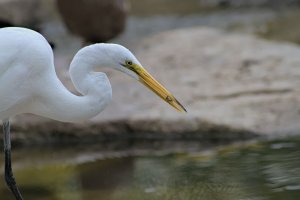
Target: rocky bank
<point>234,86</point>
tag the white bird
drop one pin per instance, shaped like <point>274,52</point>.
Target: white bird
<point>29,84</point>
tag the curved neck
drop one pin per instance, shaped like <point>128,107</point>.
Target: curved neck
<point>95,88</point>
<point>85,63</point>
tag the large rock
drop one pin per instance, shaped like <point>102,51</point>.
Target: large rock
<point>233,86</point>
<point>95,21</point>
<point>226,78</point>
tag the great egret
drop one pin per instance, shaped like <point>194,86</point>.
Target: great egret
<point>29,84</point>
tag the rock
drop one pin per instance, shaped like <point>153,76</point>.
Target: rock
<point>234,86</point>
<point>95,21</point>
<point>25,13</point>
<point>225,78</point>
<point>18,13</point>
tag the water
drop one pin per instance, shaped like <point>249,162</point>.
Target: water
<point>259,171</point>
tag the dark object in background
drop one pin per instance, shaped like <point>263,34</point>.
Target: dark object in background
<point>21,13</point>
<point>94,20</point>
<point>5,24</point>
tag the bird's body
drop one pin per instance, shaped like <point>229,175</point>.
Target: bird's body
<point>29,84</point>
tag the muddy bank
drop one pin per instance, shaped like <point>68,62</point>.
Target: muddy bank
<point>122,131</point>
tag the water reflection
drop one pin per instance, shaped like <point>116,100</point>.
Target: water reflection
<point>268,170</point>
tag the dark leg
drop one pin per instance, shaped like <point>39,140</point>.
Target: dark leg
<point>9,177</point>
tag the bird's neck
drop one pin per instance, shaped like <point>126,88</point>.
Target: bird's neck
<point>94,87</point>
<point>84,65</point>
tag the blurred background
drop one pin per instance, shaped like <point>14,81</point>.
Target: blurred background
<point>235,66</point>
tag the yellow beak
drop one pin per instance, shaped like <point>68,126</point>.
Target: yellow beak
<point>156,87</point>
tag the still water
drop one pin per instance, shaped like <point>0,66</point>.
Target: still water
<point>258,171</point>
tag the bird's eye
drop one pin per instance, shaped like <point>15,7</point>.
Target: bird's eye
<point>128,62</point>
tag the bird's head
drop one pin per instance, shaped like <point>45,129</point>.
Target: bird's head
<point>127,63</point>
